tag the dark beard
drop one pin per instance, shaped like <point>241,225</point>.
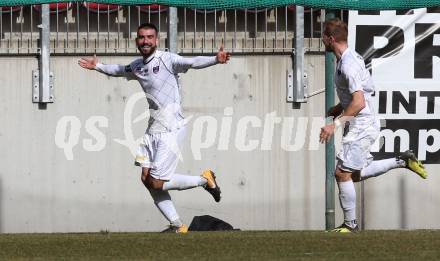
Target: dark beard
<point>152,49</point>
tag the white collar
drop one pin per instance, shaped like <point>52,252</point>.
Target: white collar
<point>149,58</point>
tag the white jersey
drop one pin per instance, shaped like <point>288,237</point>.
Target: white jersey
<point>158,77</point>
<point>351,76</point>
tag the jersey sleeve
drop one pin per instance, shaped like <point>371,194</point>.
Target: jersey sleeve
<point>354,81</point>
<point>182,64</point>
<point>117,70</point>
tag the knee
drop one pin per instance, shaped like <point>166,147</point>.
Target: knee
<point>147,180</point>
<point>150,182</point>
<point>153,184</point>
<point>342,176</point>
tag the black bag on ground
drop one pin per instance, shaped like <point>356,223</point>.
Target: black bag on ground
<point>208,223</point>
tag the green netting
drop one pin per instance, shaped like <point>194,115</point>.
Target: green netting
<point>234,4</point>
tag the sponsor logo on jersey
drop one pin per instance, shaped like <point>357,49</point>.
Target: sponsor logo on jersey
<point>141,71</point>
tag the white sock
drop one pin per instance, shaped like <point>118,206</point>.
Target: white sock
<point>351,223</point>
<point>379,167</point>
<point>182,182</point>
<point>347,198</point>
<point>162,200</point>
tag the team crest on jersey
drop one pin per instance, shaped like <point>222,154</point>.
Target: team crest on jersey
<point>156,69</point>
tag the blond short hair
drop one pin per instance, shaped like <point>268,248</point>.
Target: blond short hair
<point>337,28</point>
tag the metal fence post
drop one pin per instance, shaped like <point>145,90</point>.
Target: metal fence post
<point>172,29</point>
<point>330,146</point>
<point>42,86</point>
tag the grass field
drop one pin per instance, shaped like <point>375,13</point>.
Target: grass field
<point>270,245</point>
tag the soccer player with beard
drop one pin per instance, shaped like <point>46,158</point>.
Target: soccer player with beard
<point>355,111</point>
<point>158,153</point>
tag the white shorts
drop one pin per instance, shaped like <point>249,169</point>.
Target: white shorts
<point>160,152</point>
<point>356,144</point>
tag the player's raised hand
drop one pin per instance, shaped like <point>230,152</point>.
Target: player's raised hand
<point>222,56</point>
<point>88,63</point>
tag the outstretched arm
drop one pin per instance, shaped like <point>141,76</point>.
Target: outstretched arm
<point>182,64</point>
<point>109,69</point>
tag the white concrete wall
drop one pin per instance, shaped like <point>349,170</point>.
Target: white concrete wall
<point>41,190</point>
